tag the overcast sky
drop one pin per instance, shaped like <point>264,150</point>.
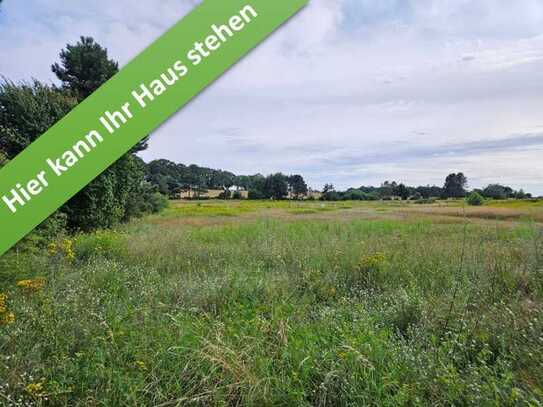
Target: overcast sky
<point>352,92</point>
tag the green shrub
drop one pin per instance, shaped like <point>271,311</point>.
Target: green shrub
<point>256,195</point>
<point>53,228</point>
<point>101,243</point>
<point>475,199</point>
<point>157,202</point>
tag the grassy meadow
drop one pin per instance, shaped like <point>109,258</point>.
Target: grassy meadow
<point>226,303</point>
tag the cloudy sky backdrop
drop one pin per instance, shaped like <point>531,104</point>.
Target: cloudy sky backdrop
<point>352,92</point>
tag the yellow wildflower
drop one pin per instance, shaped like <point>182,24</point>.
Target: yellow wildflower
<point>141,365</point>
<point>64,248</point>
<point>68,249</point>
<point>3,303</point>
<point>372,261</point>
<point>52,249</point>
<point>36,389</point>
<point>7,318</point>
<point>32,285</point>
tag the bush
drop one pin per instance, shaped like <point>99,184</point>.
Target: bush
<point>157,202</point>
<point>28,110</point>
<point>101,243</point>
<point>149,201</point>
<point>256,195</point>
<point>475,199</point>
<point>50,229</point>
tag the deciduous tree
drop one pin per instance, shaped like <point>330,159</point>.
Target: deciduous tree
<point>455,186</point>
<point>297,185</point>
<point>402,191</point>
<point>276,186</point>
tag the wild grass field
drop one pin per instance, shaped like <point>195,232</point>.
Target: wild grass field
<point>282,304</point>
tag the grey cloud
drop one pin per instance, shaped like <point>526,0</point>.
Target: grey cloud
<point>350,91</point>
<point>397,154</point>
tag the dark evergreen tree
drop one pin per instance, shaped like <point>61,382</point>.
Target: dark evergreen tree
<point>84,67</point>
<point>117,194</point>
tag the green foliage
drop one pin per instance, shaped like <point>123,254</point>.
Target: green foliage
<point>428,191</point>
<point>276,186</point>
<point>47,231</point>
<point>403,192</point>
<point>100,243</point>
<point>354,195</point>
<point>171,178</point>
<point>329,193</point>
<point>455,186</point>
<point>497,191</point>
<point>297,185</point>
<point>268,311</point>
<point>256,194</point>
<point>117,194</point>
<point>50,229</point>
<point>27,111</point>
<point>84,67</point>
<point>156,203</point>
<point>404,312</point>
<point>475,199</point>
<point>387,191</point>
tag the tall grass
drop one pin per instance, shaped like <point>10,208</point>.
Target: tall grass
<point>279,312</point>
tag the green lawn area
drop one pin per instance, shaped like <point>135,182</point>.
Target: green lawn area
<point>280,304</point>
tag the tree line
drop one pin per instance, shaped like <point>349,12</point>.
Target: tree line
<point>29,109</point>
<point>455,187</point>
<point>171,179</point>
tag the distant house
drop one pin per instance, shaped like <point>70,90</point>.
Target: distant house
<point>184,195</point>
<point>199,193</point>
<point>392,198</point>
<point>242,192</point>
<point>311,194</point>
<point>316,195</point>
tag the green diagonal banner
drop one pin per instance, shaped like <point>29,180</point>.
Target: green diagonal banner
<point>152,87</point>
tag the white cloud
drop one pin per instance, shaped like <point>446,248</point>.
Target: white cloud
<point>345,78</point>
